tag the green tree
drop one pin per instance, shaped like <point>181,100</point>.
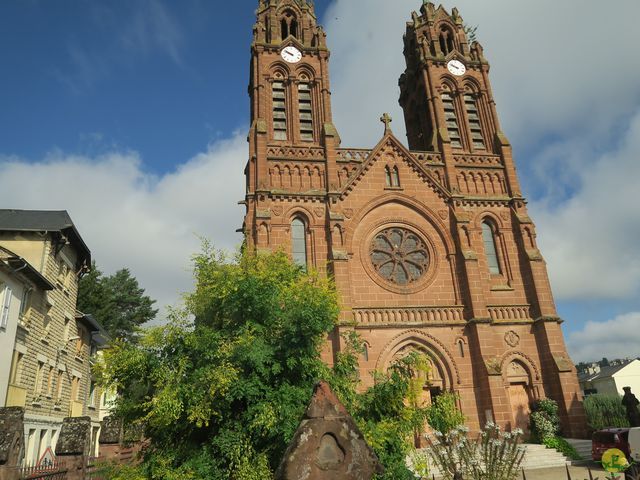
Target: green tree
<point>224,393</point>
<point>222,387</point>
<point>116,301</point>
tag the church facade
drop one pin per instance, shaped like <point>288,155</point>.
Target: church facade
<point>429,243</point>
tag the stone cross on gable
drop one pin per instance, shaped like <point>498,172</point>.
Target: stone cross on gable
<point>386,119</point>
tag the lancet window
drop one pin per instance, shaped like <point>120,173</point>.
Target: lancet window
<point>299,242</point>
<point>305,111</point>
<point>490,250</point>
<point>473,116</point>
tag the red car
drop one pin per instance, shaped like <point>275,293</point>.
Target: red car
<point>603,440</point>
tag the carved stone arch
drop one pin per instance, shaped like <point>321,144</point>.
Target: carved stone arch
<point>449,84</point>
<point>497,222</point>
<point>430,345</point>
<point>423,210</point>
<point>307,70</point>
<point>284,6</point>
<point>264,234</point>
<point>524,359</point>
<point>280,68</point>
<point>300,212</point>
<point>471,85</point>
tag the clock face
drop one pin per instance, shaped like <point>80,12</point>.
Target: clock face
<point>291,54</point>
<point>457,68</point>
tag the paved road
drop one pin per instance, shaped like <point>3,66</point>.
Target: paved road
<point>577,473</point>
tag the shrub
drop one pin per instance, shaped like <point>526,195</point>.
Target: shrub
<point>493,455</point>
<point>545,422</point>
<point>443,416</point>
<point>604,411</point>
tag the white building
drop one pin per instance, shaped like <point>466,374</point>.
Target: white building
<point>612,380</point>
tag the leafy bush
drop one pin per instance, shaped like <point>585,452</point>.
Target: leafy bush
<point>561,445</point>
<point>545,422</point>
<point>443,416</point>
<point>493,455</point>
<point>220,397</point>
<point>604,411</point>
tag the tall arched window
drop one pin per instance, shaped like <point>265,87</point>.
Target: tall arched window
<point>395,177</point>
<point>387,176</point>
<point>489,239</point>
<point>299,242</point>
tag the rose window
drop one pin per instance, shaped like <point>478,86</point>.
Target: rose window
<point>399,256</point>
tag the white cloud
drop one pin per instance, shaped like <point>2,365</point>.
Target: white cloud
<point>591,240</point>
<point>615,338</point>
<point>130,218</point>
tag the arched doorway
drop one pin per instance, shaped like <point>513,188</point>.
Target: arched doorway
<point>520,394</point>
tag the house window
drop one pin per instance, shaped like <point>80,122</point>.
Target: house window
<point>299,242</point>
<point>453,128</point>
<point>50,380</point>
<point>59,385</point>
<point>4,306</point>
<point>471,105</point>
<point>279,110</point>
<point>37,388</point>
<point>25,304</point>
<point>489,239</point>
<point>305,112</point>
<point>16,368</point>
<point>92,394</point>
<point>75,388</point>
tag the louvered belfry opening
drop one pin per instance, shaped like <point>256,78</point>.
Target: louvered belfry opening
<point>477,139</point>
<point>279,111</point>
<point>453,128</point>
<point>305,111</point>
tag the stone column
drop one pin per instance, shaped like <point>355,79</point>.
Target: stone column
<point>73,446</point>
<point>11,441</point>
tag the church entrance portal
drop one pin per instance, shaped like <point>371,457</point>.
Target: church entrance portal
<point>519,395</point>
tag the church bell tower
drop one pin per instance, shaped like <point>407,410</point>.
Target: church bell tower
<point>429,243</point>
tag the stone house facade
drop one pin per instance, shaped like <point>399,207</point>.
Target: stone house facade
<point>50,374</point>
<point>430,244</point>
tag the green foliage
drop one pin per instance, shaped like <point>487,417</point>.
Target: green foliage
<point>220,397</point>
<point>604,411</point>
<point>545,421</point>
<point>493,455</point>
<point>444,416</point>
<point>562,446</point>
<point>116,301</point>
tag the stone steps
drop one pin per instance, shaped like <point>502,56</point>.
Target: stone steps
<point>583,447</point>
<point>539,456</point>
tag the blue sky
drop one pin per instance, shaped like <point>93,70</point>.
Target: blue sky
<point>133,115</point>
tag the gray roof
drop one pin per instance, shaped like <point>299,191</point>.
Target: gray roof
<point>45,221</point>
<point>604,372</point>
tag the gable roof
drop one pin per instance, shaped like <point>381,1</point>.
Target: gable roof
<point>45,221</point>
<point>605,372</point>
<point>18,265</point>
<point>389,138</point>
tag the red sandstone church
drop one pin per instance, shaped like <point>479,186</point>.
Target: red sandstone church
<point>431,245</point>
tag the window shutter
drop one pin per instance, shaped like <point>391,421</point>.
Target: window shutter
<point>6,304</point>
